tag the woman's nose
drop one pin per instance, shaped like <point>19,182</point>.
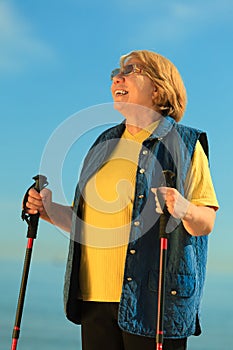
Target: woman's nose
<point>118,78</point>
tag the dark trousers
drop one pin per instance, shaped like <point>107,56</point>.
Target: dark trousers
<point>100,331</point>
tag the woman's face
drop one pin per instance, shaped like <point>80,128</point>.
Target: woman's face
<point>136,88</point>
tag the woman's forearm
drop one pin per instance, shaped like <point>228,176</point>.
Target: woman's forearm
<point>199,220</point>
<point>58,215</point>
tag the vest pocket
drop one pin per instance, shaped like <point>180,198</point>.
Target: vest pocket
<point>177,285</point>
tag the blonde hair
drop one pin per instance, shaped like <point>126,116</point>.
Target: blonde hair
<point>172,98</point>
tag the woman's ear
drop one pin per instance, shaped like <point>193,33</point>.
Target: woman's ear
<point>155,93</point>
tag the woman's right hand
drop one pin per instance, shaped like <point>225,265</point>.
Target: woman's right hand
<point>39,202</point>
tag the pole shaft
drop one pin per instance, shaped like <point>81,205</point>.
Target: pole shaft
<point>169,178</point>
<point>161,293</point>
<point>22,292</point>
<point>14,344</point>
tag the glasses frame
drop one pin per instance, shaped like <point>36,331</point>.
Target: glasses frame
<point>128,70</point>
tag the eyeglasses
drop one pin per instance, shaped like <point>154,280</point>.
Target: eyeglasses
<point>127,70</point>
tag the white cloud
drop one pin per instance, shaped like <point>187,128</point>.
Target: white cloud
<point>18,46</point>
<point>202,11</point>
<point>177,20</point>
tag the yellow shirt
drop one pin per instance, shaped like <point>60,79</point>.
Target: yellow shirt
<point>108,199</point>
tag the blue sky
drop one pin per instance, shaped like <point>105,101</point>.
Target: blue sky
<point>55,61</point>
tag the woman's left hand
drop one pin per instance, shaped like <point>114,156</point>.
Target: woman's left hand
<point>176,204</point>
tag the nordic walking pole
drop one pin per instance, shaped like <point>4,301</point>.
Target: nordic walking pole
<point>169,182</point>
<point>32,221</point>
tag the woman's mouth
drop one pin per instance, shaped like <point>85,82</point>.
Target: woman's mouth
<point>120,92</point>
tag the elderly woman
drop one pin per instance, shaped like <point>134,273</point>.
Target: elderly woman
<point>112,272</point>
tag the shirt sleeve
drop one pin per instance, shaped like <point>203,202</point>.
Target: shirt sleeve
<point>199,187</point>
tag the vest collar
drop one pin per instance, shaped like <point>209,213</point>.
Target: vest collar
<point>164,127</point>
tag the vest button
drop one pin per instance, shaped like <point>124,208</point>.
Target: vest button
<point>136,223</point>
<point>129,279</point>
<point>132,251</point>
<point>141,196</point>
<point>141,171</point>
<point>144,152</point>
<point>173,292</point>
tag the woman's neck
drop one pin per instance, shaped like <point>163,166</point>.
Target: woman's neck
<point>135,124</point>
<point>133,129</point>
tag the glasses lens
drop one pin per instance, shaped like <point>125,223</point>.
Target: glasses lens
<point>128,69</point>
<point>115,72</point>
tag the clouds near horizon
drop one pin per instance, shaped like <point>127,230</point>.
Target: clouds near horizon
<point>19,43</point>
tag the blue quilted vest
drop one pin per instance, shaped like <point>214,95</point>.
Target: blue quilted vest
<point>169,147</point>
